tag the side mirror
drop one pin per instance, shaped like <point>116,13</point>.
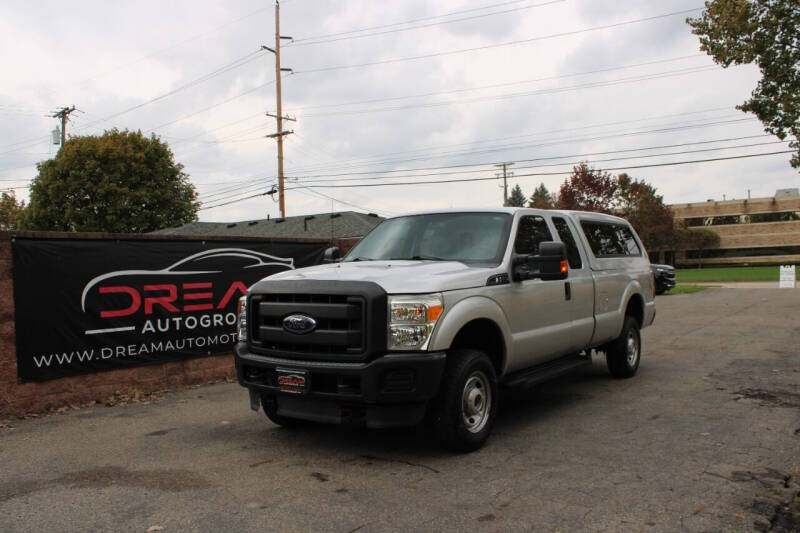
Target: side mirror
<point>331,255</point>
<point>550,264</point>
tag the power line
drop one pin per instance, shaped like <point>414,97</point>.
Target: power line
<point>611,135</point>
<point>550,173</point>
<point>463,167</point>
<point>539,174</point>
<point>302,39</point>
<point>323,195</point>
<point>538,92</point>
<point>173,45</point>
<point>221,70</point>
<point>361,161</point>
<point>208,108</point>
<point>498,85</point>
<point>498,45</point>
<point>309,41</point>
<point>234,201</point>
<point>309,185</point>
<point>576,159</point>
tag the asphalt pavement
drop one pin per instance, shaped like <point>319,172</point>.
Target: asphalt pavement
<point>705,438</point>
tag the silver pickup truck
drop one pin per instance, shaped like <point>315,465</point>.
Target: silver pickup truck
<point>431,312</point>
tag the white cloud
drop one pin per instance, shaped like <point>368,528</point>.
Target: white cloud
<point>107,57</point>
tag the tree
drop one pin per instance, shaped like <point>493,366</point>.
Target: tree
<point>10,211</point>
<point>701,240</point>
<point>120,182</point>
<point>766,32</point>
<point>516,198</point>
<point>588,189</point>
<point>542,198</point>
<point>639,203</point>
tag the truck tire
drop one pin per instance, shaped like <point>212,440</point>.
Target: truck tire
<point>624,353</point>
<point>463,412</point>
<point>271,410</point>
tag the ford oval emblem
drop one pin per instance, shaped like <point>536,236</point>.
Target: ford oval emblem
<point>299,324</point>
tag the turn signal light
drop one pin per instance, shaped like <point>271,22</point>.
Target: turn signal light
<point>563,267</point>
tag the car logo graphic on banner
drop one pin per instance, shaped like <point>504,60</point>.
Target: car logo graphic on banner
<point>191,284</point>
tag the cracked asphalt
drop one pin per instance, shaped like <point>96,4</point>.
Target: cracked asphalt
<point>705,438</point>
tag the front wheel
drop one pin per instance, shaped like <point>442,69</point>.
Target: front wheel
<point>624,353</point>
<point>464,411</point>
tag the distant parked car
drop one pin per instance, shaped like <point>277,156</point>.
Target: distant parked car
<point>665,277</point>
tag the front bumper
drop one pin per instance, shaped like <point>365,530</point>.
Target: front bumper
<point>391,390</point>
<point>665,283</point>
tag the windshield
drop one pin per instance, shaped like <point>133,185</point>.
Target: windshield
<point>465,237</point>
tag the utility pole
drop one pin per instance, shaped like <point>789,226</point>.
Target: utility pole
<point>506,175</point>
<point>63,114</point>
<point>279,118</point>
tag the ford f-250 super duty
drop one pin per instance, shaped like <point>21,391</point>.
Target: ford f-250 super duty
<point>431,312</point>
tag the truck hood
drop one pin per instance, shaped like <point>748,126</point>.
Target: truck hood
<point>397,277</point>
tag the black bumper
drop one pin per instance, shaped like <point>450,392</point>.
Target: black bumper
<point>391,390</point>
<point>664,283</point>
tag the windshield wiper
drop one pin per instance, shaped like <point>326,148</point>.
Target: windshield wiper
<point>362,259</point>
<point>418,258</point>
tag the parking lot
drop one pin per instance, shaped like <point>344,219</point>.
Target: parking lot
<point>705,438</point>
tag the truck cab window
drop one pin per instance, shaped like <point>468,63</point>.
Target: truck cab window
<point>532,231</point>
<point>566,236</point>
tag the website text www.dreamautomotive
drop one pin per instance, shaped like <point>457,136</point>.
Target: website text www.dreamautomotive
<point>204,342</point>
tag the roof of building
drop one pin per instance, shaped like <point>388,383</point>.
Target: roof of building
<point>342,225</point>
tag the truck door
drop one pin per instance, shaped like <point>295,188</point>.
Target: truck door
<point>579,286</point>
<point>539,314</point>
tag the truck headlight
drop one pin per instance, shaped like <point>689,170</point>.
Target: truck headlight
<point>412,319</point>
<point>241,322</point>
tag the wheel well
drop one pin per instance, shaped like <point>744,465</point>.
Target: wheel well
<point>636,308</point>
<point>484,335</point>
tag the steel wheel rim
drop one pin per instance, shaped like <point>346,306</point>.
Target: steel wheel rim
<point>632,348</point>
<point>476,402</point>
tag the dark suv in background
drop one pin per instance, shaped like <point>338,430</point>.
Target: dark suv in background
<point>664,276</point>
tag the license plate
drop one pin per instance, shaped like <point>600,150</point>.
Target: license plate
<point>291,380</point>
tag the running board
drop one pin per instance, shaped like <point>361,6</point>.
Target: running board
<point>547,371</point>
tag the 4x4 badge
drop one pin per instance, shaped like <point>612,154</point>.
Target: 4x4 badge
<point>299,324</point>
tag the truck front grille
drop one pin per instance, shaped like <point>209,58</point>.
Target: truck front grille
<point>340,325</point>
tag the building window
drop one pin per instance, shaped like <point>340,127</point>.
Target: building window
<point>744,252</point>
<point>754,218</point>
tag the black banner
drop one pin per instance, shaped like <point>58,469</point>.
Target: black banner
<point>89,305</point>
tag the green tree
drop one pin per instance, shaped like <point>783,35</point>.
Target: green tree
<point>120,182</point>
<point>542,198</point>
<point>10,211</point>
<point>767,33</point>
<point>701,239</point>
<point>516,198</point>
<point>639,203</point>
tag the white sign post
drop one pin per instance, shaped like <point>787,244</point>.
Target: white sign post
<point>787,279</point>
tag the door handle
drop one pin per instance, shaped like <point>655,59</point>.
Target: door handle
<point>567,291</point>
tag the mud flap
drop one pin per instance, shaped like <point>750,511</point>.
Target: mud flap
<point>255,400</point>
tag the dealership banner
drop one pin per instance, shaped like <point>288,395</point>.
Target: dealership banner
<point>89,305</point>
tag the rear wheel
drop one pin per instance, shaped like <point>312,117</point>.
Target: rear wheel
<point>464,411</point>
<point>624,353</point>
<point>271,410</point>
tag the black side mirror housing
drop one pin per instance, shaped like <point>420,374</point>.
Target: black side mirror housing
<point>331,255</point>
<point>550,264</point>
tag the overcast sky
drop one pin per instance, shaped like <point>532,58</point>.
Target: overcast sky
<point>430,90</point>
